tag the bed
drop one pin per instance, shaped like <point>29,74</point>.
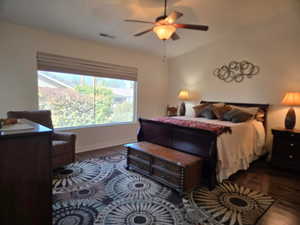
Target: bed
<point>224,153</point>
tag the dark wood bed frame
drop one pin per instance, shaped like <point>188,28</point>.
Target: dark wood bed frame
<point>190,140</point>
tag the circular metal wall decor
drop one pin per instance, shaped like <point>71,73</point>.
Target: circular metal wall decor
<point>236,71</point>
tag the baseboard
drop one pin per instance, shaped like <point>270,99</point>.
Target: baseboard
<point>104,145</point>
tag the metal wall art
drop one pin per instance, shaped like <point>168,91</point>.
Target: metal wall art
<point>236,71</point>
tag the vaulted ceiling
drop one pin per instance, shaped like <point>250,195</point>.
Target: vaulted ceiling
<point>85,19</point>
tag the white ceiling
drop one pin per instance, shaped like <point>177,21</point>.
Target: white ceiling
<point>85,19</point>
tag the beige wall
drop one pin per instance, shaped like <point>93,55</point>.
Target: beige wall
<point>274,46</point>
<point>18,79</point>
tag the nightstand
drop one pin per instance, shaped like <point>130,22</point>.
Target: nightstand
<point>286,149</point>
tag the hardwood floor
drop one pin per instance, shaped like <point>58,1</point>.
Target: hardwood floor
<point>284,186</point>
<point>99,152</point>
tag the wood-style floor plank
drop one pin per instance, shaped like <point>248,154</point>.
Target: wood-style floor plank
<point>284,186</point>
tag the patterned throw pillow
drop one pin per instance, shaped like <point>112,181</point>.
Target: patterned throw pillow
<point>208,113</point>
<point>199,108</point>
<point>237,116</point>
<point>172,110</point>
<point>220,111</point>
<point>251,110</point>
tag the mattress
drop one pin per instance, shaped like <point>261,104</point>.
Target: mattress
<point>236,150</point>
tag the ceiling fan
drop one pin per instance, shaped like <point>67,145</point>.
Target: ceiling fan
<point>165,27</point>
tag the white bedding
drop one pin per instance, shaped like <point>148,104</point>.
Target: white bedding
<point>236,150</point>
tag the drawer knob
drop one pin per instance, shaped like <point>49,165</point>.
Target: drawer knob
<point>292,135</point>
<point>292,145</point>
<point>291,156</point>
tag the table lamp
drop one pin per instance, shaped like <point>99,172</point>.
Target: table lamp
<point>291,99</point>
<point>183,95</point>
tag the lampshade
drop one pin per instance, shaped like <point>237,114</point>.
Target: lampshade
<point>165,31</point>
<point>291,98</point>
<point>184,95</point>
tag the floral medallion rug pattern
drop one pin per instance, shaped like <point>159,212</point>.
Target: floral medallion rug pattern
<point>100,191</point>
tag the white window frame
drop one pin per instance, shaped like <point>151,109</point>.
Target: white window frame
<point>135,111</point>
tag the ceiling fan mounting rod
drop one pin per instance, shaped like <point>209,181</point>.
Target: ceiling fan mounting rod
<point>165,12</point>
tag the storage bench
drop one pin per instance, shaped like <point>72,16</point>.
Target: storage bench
<point>175,169</point>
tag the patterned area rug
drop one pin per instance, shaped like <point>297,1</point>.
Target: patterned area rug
<point>101,191</point>
<point>227,204</point>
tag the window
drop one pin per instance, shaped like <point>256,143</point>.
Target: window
<point>80,100</point>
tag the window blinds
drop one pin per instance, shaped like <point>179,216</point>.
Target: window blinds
<point>64,64</point>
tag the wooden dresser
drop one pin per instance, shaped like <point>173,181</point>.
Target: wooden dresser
<point>25,176</point>
<point>175,169</point>
<point>286,149</point>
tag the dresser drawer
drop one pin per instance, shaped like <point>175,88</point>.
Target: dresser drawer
<point>173,168</point>
<point>173,179</point>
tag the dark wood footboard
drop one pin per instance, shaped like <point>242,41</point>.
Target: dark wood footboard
<point>190,140</point>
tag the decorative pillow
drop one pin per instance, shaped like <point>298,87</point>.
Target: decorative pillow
<point>220,111</point>
<point>229,114</point>
<point>199,108</point>
<point>241,117</point>
<point>252,110</point>
<point>172,110</point>
<point>260,116</point>
<point>220,104</point>
<point>237,116</point>
<point>208,113</point>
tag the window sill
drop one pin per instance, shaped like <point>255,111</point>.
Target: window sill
<point>96,125</point>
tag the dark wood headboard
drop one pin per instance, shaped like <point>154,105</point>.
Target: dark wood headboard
<point>263,107</point>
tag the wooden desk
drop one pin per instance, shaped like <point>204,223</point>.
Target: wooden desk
<point>25,176</point>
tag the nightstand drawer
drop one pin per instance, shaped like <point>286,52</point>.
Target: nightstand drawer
<point>286,149</point>
<point>286,144</point>
<point>286,134</point>
<point>288,161</point>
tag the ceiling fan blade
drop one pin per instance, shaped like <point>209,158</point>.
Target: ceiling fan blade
<point>192,26</point>
<point>172,17</point>
<point>175,36</point>
<point>144,32</point>
<point>138,21</point>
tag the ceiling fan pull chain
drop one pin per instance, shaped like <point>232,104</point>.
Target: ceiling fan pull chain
<point>164,59</point>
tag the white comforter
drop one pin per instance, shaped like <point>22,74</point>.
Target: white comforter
<point>236,150</point>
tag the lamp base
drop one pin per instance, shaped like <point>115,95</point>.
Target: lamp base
<point>182,109</point>
<point>290,119</point>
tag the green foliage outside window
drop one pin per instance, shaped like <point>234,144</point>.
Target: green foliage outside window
<point>84,105</point>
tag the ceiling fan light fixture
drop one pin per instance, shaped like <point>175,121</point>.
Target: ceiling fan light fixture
<point>165,31</point>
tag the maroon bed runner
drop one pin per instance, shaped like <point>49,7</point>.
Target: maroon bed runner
<point>217,129</point>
